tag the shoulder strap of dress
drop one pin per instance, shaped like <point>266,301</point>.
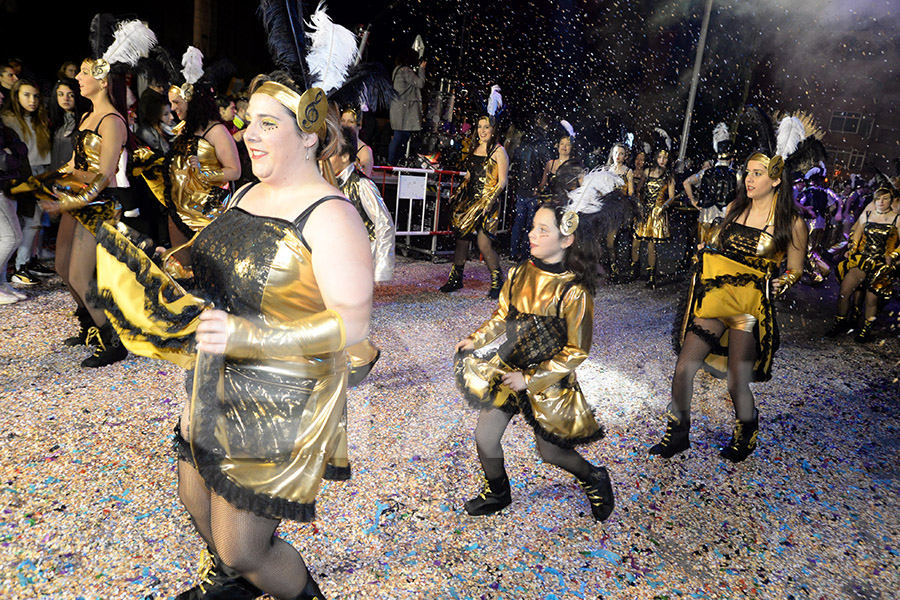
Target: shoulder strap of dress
<point>208,129</point>
<point>240,194</point>
<point>97,128</point>
<point>300,221</point>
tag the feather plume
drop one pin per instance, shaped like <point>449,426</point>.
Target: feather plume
<point>285,38</point>
<point>665,137</point>
<point>789,135</point>
<point>586,198</point>
<point>164,57</point>
<point>762,126</point>
<point>808,153</point>
<point>332,51</point>
<point>883,182</point>
<point>495,101</point>
<point>366,84</point>
<point>568,127</point>
<point>132,40</point>
<point>219,71</point>
<point>192,61</point>
<point>629,140</point>
<point>720,134</point>
<point>101,37</point>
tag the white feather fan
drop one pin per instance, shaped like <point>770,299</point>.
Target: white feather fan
<point>332,51</point>
<point>192,61</point>
<point>789,135</point>
<point>132,40</point>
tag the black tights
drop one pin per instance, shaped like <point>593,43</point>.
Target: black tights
<point>741,356</point>
<point>243,540</point>
<point>461,254</point>
<point>489,431</point>
<point>849,286</point>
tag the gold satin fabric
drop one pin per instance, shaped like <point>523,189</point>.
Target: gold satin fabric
<point>468,211</point>
<point>558,404</point>
<point>87,150</point>
<point>653,224</point>
<point>878,241</point>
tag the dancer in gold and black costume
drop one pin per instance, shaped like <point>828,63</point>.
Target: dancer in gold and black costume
<point>476,207</point>
<point>88,190</point>
<point>190,182</point>
<point>652,224</point>
<point>729,325</point>
<point>870,265</point>
<point>546,311</point>
<point>284,284</point>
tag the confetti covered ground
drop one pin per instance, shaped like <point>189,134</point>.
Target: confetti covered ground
<point>89,508</point>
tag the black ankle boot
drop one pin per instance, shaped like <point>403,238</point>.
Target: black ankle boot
<point>599,491</point>
<point>109,348</point>
<point>496,284</point>
<point>743,440</point>
<point>865,332</point>
<point>493,498</point>
<point>841,326</point>
<point>218,581</point>
<point>677,437</point>
<point>85,321</point>
<point>454,281</point>
<point>651,278</point>
<point>311,590</point>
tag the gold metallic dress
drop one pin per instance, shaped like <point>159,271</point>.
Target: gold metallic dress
<point>189,199</point>
<point>878,241</point>
<point>548,322</point>
<point>263,432</point>
<point>87,158</point>
<point>478,193</point>
<point>653,223</point>
<point>731,283</point>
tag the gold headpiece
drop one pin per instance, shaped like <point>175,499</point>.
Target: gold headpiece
<point>774,165</point>
<point>99,68</point>
<point>310,108</point>
<point>569,222</point>
<point>186,91</point>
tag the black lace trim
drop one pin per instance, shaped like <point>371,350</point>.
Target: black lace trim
<point>333,473</point>
<point>527,412</point>
<point>140,264</point>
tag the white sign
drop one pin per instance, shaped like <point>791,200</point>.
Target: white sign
<point>411,187</point>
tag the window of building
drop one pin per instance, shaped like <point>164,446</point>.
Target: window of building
<point>850,122</point>
<point>849,158</point>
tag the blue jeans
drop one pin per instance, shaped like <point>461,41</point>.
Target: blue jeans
<point>399,140</point>
<point>518,241</point>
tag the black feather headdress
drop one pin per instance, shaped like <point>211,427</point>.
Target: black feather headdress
<point>286,39</point>
<point>367,85</point>
<point>794,146</point>
<point>101,36</point>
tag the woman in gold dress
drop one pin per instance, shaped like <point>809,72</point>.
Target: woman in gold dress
<point>729,326</point>
<point>870,264</point>
<point>652,224</point>
<point>476,208</point>
<point>546,310</point>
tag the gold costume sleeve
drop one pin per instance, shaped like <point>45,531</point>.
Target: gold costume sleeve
<point>383,244</point>
<point>320,333</point>
<point>496,325</point>
<point>578,310</point>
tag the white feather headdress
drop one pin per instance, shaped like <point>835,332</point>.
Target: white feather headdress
<point>587,198</point>
<point>332,51</point>
<point>720,134</point>
<point>495,101</point>
<point>568,127</point>
<point>192,61</point>
<point>132,41</point>
<point>665,136</point>
<point>790,133</point>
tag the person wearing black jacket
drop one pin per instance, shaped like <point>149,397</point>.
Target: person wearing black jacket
<point>527,167</point>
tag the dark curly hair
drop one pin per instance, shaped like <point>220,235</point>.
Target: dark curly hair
<point>583,256</point>
<point>202,111</point>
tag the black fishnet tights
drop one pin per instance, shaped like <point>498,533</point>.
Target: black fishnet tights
<point>243,540</point>
<point>741,357</point>
<point>489,431</point>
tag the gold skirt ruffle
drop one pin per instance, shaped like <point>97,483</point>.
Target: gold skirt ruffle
<point>559,414</point>
<point>655,226</point>
<point>880,277</point>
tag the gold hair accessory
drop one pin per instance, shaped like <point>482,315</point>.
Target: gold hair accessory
<point>310,108</point>
<point>774,166</point>
<point>569,222</point>
<point>185,91</point>
<point>99,68</point>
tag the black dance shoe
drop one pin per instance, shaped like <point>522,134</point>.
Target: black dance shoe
<point>496,284</point>
<point>454,280</point>
<point>865,332</point>
<point>85,322</point>
<point>599,491</point>
<point>109,348</point>
<point>493,498</point>
<point>218,581</point>
<point>840,326</point>
<point>743,440</point>
<point>677,437</point>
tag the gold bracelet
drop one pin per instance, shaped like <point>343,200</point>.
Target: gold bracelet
<point>786,281</point>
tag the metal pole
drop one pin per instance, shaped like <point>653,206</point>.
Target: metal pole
<point>695,81</point>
